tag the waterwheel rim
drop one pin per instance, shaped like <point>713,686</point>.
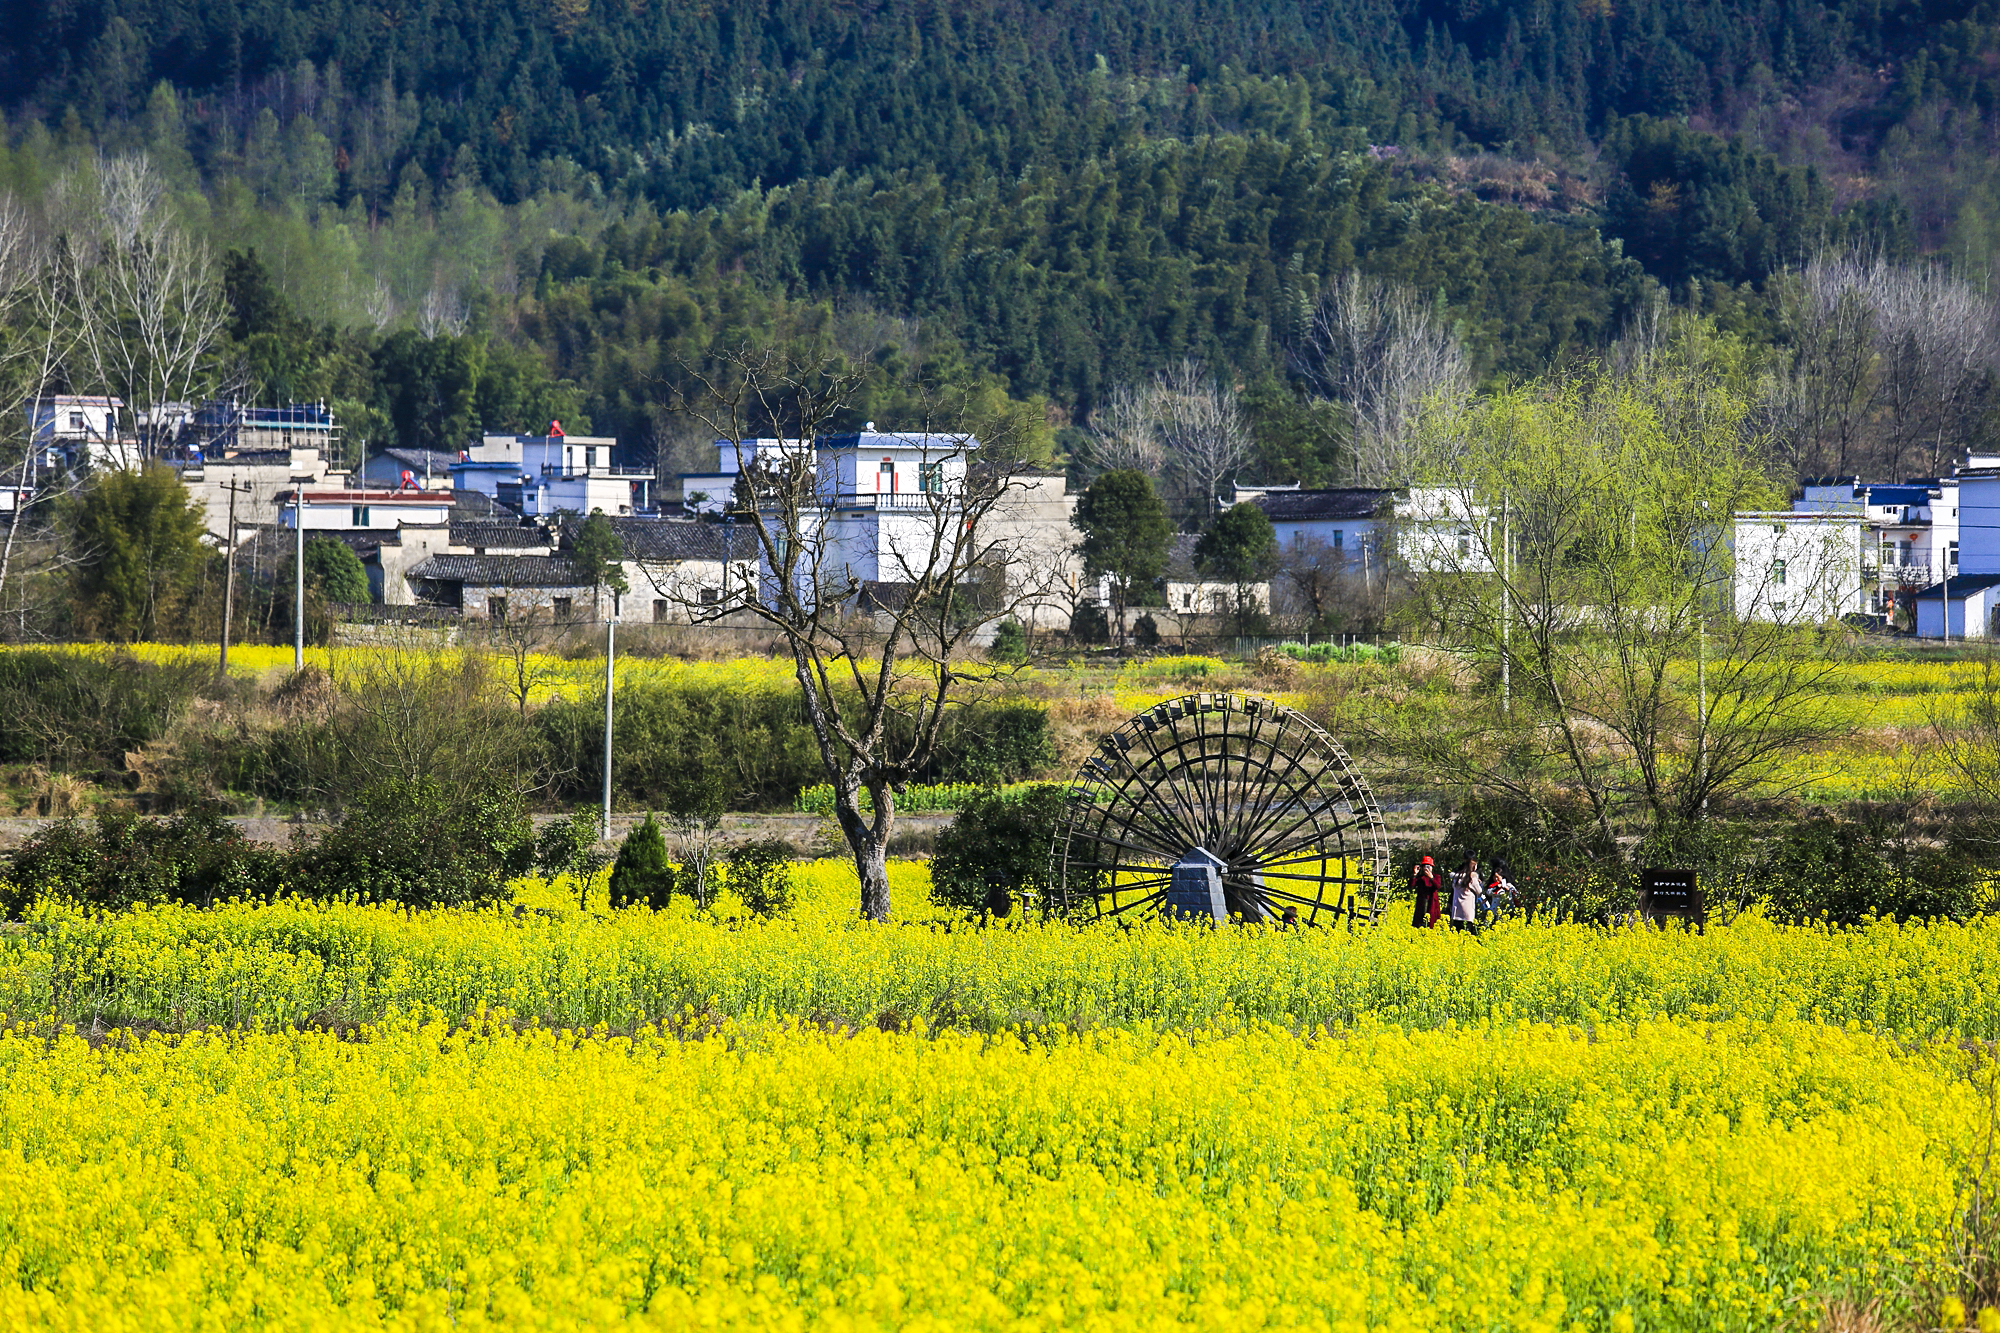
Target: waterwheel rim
<point>1258,790</point>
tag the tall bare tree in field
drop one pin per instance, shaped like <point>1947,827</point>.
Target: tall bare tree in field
<point>880,663</point>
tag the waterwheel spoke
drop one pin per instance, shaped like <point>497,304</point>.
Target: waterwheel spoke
<point>1254,784</point>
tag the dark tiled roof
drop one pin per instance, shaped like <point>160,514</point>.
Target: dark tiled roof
<point>879,595</point>
<point>670,539</point>
<point>477,507</point>
<point>1355,502</point>
<point>245,457</point>
<point>438,460</point>
<point>501,571</point>
<point>500,537</point>
<point>1180,559</point>
<point>364,542</point>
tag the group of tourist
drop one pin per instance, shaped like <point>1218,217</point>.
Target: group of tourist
<point>1468,895</point>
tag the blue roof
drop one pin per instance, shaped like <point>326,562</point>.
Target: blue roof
<point>1899,495</point>
<point>884,439</point>
<point>1962,585</point>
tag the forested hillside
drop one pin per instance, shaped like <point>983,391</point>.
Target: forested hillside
<point>1049,200</point>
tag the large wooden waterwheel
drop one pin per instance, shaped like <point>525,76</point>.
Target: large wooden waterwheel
<point>1221,806</point>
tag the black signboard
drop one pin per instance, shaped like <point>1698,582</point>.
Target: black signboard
<point>1671,893</point>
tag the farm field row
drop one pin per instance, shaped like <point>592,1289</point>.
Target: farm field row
<point>338,965</point>
<point>297,1116</point>
<point>1663,1175</point>
<point>1889,704</point>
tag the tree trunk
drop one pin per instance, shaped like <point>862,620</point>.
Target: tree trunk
<point>869,841</point>
<point>871,858</point>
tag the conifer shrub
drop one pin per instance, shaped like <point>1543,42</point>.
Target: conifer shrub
<point>642,876</point>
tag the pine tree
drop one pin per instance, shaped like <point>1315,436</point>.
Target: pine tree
<point>642,874</point>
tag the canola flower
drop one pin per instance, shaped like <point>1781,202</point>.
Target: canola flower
<point>292,963</point>
<point>1665,1175</point>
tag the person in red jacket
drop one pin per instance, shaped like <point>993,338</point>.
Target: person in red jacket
<point>1425,884</point>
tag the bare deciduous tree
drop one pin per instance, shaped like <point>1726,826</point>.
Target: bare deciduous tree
<point>1937,340</point>
<point>1819,409</point>
<point>41,336</point>
<point>1124,434</point>
<point>444,311</point>
<point>879,661</point>
<point>1202,430</point>
<point>381,306</point>
<point>1893,368</point>
<point>1383,352</point>
<point>148,308</point>
<point>1185,429</point>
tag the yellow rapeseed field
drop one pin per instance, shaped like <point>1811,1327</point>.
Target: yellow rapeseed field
<point>1663,1176</point>
<point>326,1117</point>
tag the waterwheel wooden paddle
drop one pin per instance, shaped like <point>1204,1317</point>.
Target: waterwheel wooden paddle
<point>1221,806</point>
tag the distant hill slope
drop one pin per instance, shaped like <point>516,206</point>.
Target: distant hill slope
<point>688,97</point>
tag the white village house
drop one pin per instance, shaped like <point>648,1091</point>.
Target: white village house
<point>1796,568</point>
<point>541,476</point>
<point>879,496</point>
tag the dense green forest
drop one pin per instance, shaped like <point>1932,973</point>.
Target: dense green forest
<point>450,214</point>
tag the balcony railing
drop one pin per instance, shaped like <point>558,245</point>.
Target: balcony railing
<point>915,501</point>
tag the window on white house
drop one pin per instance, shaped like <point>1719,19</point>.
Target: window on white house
<point>711,596</point>
<point>1339,539</point>
<point>562,607</point>
<point>662,610</point>
<point>76,421</point>
<point>1951,553</point>
<point>930,478</point>
<point>1778,572</point>
<point>1778,610</point>
<point>496,609</point>
<point>589,456</point>
<point>358,518</point>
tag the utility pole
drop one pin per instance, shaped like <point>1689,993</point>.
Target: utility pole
<point>229,574</point>
<point>299,570</point>
<point>610,656</point>
<point>1506,611</point>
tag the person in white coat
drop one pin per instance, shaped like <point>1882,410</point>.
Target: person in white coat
<point>1465,897</point>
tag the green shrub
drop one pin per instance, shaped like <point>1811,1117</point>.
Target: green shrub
<point>568,846</point>
<point>642,876</point>
<point>998,847</point>
<point>409,841</point>
<point>753,740</point>
<point>1089,624</point>
<point>71,708</point>
<point>1010,643</point>
<point>123,860</point>
<point>1842,870</point>
<point>992,743</point>
<point>761,874</point>
<point>1386,654</point>
<point>335,572</point>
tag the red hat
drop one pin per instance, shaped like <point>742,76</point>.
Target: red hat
<point>1429,862</point>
